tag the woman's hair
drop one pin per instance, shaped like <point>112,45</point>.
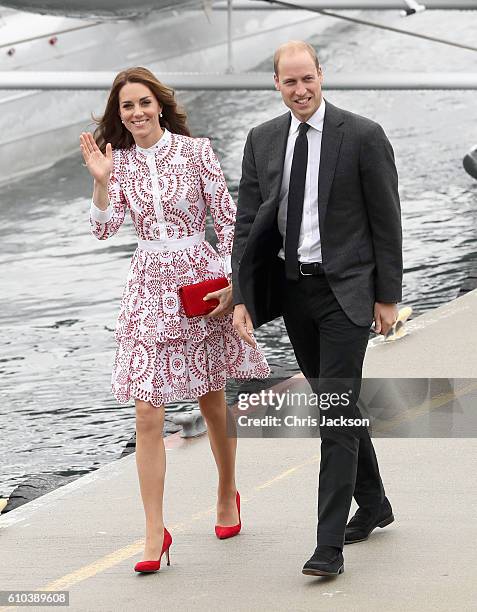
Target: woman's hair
<point>111,129</point>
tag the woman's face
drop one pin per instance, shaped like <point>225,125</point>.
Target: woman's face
<point>139,111</point>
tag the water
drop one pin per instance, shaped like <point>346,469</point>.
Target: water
<point>61,287</point>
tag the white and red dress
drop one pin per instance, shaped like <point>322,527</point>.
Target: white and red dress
<point>162,355</point>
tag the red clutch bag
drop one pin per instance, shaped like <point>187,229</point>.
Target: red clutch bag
<point>191,296</point>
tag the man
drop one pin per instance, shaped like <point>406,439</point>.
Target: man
<point>318,240</point>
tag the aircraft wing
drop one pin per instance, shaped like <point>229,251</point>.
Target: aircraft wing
<point>96,8</point>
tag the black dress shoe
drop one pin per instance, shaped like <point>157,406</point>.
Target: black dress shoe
<point>365,520</point>
<point>326,561</point>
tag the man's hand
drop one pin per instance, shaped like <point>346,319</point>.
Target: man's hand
<point>243,324</point>
<point>385,315</point>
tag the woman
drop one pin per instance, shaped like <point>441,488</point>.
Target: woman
<point>142,158</point>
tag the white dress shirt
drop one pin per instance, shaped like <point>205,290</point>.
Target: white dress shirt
<point>309,243</point>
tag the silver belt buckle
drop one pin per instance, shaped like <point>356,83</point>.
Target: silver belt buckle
<point>303,273</point>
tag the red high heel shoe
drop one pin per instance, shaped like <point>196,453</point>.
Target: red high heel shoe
<point>223,532</point>
<point>153,566</point>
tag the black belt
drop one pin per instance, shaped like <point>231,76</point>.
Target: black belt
<point>311,269</point>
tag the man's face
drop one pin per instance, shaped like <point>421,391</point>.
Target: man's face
<point>299,82</point>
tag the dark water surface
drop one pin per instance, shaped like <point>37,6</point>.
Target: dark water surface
<point>61,287</point>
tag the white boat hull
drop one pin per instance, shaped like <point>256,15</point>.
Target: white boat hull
<point>38,128</point>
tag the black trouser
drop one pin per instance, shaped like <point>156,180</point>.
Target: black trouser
<point>328,345</point>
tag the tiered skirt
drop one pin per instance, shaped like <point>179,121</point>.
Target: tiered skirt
<point>162,356</point>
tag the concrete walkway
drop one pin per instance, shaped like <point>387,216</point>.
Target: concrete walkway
<point>86,536</point>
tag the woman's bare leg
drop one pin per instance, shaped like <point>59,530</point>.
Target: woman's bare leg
<point>151,467</point>
<point>214,410</point>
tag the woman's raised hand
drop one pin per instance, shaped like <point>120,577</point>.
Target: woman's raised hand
<point>99,165</point>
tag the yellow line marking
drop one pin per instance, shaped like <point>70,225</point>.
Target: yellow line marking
<point>87,571</point>
<point>122,554</point>
<point>98,566</point>
<point>203,513</point>
<point>425,407</point>
<point>287,473</point>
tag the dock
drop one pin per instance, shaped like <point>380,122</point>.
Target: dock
<point>86,536</point>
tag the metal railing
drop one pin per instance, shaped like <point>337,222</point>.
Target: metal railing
<point>17,80</point>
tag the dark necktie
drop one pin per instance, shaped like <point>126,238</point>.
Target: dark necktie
<point>296,194</point>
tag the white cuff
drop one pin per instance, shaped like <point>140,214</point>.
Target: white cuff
<point>228,265</point>
<point>102,216</point>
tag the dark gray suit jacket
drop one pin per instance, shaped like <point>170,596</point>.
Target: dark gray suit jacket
<point>359,217</point>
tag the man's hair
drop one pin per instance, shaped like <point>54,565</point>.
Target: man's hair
<point>295,45</point>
